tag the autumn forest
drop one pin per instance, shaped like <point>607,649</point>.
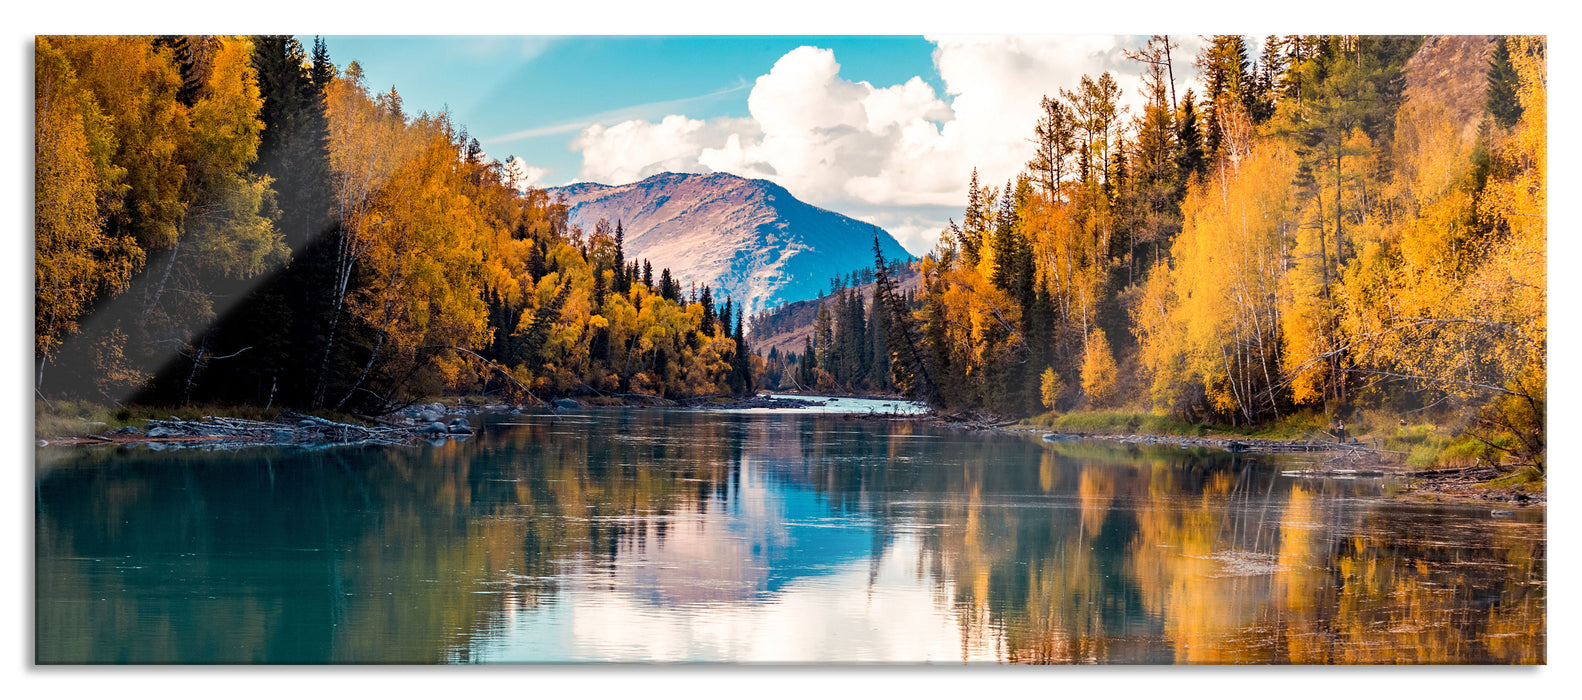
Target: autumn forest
<point>1305,240</point>
<point>229,220</point>
<point>238,221</point>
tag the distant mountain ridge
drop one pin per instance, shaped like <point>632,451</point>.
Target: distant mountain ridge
<point>749,239</point>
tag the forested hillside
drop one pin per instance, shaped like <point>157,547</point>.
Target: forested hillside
<point>836,343</point>
<point>1305,235</point>
<point>788,326</point>
<point>231,220</point>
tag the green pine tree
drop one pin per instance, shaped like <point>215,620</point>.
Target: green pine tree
<point>1501,100</point>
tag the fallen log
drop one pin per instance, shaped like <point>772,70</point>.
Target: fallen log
<point>300,418</point>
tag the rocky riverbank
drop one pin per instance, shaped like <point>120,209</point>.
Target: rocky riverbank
<point>291,429</point>
<point>434,423</point>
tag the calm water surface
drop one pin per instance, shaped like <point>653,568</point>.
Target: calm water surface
<point>631,535</point>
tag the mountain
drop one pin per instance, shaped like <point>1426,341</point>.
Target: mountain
<point>750,239</point>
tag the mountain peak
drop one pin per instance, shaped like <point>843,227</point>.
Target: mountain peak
<point>749,239</point>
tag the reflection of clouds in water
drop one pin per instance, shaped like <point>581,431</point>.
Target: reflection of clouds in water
<point>719,555</point>
<point>854,613</point>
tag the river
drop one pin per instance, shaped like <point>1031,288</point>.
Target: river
<point>622,535</point>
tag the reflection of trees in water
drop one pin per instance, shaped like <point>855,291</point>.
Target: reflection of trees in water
<point>1199,564</point>
<point>1056,554</point>
<point>404,553</point>
<point>1080,553</point>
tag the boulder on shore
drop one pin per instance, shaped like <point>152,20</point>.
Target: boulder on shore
<point>567,403</point>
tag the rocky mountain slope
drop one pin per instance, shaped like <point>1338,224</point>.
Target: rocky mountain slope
<point>1453,71</point>
<point>749,239</point>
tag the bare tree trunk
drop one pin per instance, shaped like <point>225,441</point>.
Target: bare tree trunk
<point>369,365</point>
<point>344,261</point>
<point>197,361</point>
<point>159,290</point>
<point>1338,243</point>
<point>1170,67</point>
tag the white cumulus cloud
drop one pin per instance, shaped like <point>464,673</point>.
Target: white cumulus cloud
<point>845,144</point>
<point>523,176</point>
<point>635,149</point>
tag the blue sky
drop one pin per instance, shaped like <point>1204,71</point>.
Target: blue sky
<point>530,96</point>
<point>887,129</point>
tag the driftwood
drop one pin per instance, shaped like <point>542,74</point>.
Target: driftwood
<point>970,420</point>
<point>1466,476</point>
<point>1333,473</point>
<point>1351,451</point>
<point>292,429</point>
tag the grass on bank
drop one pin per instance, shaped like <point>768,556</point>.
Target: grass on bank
<point>1421,445</point>
<point>1128,423</point>
<point>1526,479</point>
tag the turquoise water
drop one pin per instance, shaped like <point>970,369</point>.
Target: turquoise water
<point>772,536</point>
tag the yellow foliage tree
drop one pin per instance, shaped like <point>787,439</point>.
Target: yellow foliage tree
<point>1227,273</point>
<point>169,138</point>
<point>1098,370</point>
<point>1050,388</point>
<point>1160,350</point>
<point>75,258</point>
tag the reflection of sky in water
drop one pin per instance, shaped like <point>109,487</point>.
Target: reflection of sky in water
<point>772,573</point>
<point>853,611</point>
<point>765,534</point>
